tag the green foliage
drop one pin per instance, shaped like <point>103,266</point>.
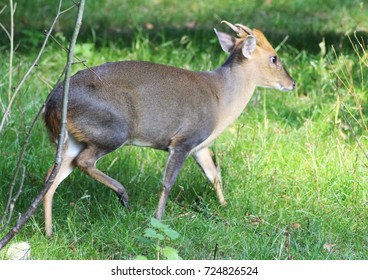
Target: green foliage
<point>107,21</point>
<point>294,175</point>
<point>158,236</point>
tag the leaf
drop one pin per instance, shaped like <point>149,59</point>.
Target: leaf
<point>151,233</point>
<point>140,257</point>
<point>156,223</point>
<point>19,251</point>
<point>172,234</point>
<point>171,253</point>
<point>145,240</point>
<point>295,225</point>
<point>329,247</point>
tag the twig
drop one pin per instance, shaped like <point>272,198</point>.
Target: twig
<point>11,202</point>
<point>16,90</point>
<point>68,9</point>
<point>215,252</point>
<point>287,243</point>
<point>3,9</point>
<point>79,59</point>
<point>10,35</point>
<point>22,153</point>
<point>20,160</point>
<point>32,209</point>
<point>67,83</point>
<point>11,39</point>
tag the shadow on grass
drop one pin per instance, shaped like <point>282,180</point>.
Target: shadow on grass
<point>305,22</point>
<point>308,41</point>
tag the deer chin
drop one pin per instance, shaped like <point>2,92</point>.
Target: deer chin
<point>277,86</point>
<point>281,87</point>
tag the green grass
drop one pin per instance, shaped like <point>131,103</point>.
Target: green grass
<point>294,177</point>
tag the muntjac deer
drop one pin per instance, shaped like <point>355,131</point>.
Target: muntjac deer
<point>163,107</point>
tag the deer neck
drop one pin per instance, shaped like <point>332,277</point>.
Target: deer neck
<point>233,88</point>
<point>236,91</point>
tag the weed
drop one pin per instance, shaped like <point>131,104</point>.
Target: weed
<point>158,236</point>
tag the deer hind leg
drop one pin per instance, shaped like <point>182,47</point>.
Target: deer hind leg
<point>205,160</point>
<point>86,161</point>
<point>72,149</point>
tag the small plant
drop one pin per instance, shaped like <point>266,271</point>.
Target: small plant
<point>157,236</point>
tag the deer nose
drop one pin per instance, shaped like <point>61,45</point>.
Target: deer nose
<point>293,84</point>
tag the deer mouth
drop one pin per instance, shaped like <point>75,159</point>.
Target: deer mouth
<point>281,87</point>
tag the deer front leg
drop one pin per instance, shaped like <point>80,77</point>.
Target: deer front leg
<point>205,160</point>
<point>173,166</point>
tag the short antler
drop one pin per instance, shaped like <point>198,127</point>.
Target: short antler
<point>240,29</point>
<point>245,28</point>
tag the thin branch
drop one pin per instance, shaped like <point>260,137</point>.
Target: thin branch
<point>67,82</point>
<point>79,59</point>
<point>10,35</point>
<point>5,30</point>
<point>3,9</point>
<point>16,90</point>
<point>21,157</point>
<point>11,203</point>
<point>215,251</point>
<point>68,9</point>
<point>36,202</point>
<point>11,39</point>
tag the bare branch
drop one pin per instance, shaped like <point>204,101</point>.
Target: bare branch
<point>5,30</point>
<point>20,160</point>
<point>79,59</point>
<point>3,9</point>
<point>67,82</point>
<point>16,90</point>
<point>36,202</point>
<point>68,9</point>
<point>11,203</point>
<point>11,48</point>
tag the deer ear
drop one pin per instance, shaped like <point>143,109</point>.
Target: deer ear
<point>227,41</point>
<point>249,45</point>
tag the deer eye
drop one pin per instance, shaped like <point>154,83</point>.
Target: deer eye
<point>273,59</point>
